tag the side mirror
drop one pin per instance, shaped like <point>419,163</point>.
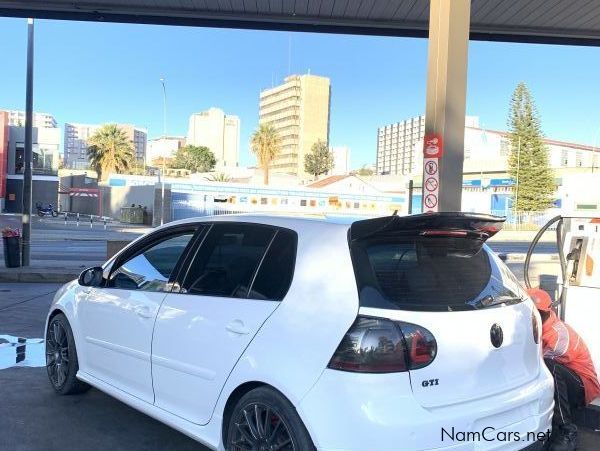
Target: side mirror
<point>91,277</point>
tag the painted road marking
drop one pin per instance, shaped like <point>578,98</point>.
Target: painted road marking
<point>19,351</point>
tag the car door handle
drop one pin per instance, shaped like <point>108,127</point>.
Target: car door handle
<point>144,311</point>
<point>237,327</point>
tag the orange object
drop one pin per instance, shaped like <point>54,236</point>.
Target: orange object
<point>562,344</point>
<point>589,266</point>
<point>541,299</point>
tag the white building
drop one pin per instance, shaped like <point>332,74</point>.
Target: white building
<point>163,147</point>
<point>46,141</point>
<point>76,143</point>
<point>396,145</point>
<point>341,160</point>
<point>16,118</point>
<point>488,186</point>
<point>219,132</point>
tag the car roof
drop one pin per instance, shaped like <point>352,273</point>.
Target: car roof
<point>295,222</point>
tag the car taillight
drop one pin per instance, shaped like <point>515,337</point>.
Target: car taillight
<point>379,345</point>
<point>535,327</point>
<point>421,345</point>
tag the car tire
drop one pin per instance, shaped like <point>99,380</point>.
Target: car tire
<point>274,411</point>
<point>61,358</point>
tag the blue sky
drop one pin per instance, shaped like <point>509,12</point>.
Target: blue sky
<point>99,72</point>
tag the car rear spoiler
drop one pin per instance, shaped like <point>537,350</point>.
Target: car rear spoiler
<point>473,225</point>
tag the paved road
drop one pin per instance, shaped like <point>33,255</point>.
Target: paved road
<point>52,240</point>
<point>34,418</point>
<point>521,247</point>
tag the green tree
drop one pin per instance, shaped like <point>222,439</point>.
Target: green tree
<point>266,145</point>
<point>319,160</point>
<point>364,171</point>
<point>110,150</point>
<point>528,159</point>
<point>194,158</point>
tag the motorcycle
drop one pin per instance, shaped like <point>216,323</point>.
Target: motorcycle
<point>46,211</point>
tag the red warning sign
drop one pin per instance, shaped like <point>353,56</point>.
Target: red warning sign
<point>432,146</point>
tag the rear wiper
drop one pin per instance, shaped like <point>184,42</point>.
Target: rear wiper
<point>490,301</point>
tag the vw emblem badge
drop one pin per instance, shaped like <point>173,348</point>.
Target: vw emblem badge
<point>496,335</point>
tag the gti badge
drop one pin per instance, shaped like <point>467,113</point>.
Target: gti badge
<point>496,335</point>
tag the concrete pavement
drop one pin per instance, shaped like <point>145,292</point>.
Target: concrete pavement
<point>34,418</point>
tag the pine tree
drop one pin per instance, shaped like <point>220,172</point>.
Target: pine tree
<point>528,162</point>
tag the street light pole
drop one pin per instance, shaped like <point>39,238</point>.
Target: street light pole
<point>162,171</point>
<point>28,151</point>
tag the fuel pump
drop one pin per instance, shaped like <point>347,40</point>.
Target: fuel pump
<point>577,288</point>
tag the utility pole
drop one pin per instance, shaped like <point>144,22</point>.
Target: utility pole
<point>162,171</point>
<point>26,218</point>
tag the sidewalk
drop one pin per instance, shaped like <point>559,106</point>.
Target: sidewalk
<point>524,235</point>
<point>46,271</point>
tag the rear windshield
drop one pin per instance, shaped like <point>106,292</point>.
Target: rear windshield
<point>421,273</point>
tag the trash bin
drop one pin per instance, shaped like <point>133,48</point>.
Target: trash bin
<point>132,215</point>
<point>12,250</point>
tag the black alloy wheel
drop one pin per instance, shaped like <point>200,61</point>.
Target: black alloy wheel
<point>61,357</point>
<point>265,420</point>
<point>57,354</point>
<point>260,428</point>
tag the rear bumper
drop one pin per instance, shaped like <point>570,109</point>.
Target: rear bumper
<point>365,412</point>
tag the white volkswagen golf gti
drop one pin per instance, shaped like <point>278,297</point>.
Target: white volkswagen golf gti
<point>277,333</point>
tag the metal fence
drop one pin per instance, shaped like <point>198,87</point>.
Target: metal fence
<point>531,221</point>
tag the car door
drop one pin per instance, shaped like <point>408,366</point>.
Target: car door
<point>117,319</point>
<point>234,282</point>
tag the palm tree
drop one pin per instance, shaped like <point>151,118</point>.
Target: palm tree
<point>266,145</point>
<point>110,150</point>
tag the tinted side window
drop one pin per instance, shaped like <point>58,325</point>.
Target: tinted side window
<point>277,269</point>
<point>228,259</point>
<point>151,269</point>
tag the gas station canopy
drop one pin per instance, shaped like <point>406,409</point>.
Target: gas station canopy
<point>573,22</point>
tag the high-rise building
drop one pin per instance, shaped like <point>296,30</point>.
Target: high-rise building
<point>341,160</point>
<point>397,145</point>
<point>76,143</point>
<point>298,109</point>
<point>16,118</point>
<point>163,147</point>
<point>219,132</point>
<point>139,138</point>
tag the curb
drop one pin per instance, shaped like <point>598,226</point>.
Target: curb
<point>38,276</point>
